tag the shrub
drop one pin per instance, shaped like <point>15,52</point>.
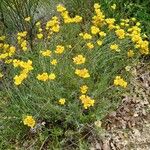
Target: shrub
<point>73,75</point>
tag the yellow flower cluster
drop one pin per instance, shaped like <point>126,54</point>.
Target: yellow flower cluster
<point>94,30</point>
<point>27,19</point>
<point>44,76</point>
<point>119,81</point>
<point>84,89</point>
<point>135,34</point>
<point>120,33</point>
<point>99,18</point>
<point>84,73</point>
<point>6,51</point>
<point>59,49</point>
<point>53,25</point>
<point>87,101</point>
<point>46,53</point>
<point>21,37</point>
<point>90,45</point>
<point>114,47</point>
<point>86,36</point>
<point>110,22</point>
<point>66,17</point>
<point>29,121</point>
<point>130,53</point>
<point>79,59</point>
<point>26,66</point>
<point>39,29</point>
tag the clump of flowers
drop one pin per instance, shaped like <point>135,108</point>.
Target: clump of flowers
<point>84,73</point>
<point>22,41</point>
<point>65,15</point>
<point>26,68</point>
<point>120,82</point>
<point>87,101</point>
<point>45,76</point>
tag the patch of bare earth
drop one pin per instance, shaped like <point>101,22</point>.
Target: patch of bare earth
<point>128,128</point>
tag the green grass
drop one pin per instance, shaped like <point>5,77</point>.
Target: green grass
<point>66,126</point>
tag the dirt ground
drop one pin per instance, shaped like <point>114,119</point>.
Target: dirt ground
<point>128,128</point>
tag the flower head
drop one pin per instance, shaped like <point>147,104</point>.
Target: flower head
<point>54,62</point>
<point>79,59</point>
<point>52,76</point>
<point>87,101</point>
<point>62,101</point>
<point>130,53</point>
<point>59,49</point>
<point>46,53</point>
<point>83,89</point>
<point>114,47</point>
<point>113,6</point>
<point>43,77</point>
<point>29,121</point>
<point>119,81</point>
<point>84,73</point>
<point>27,19</point>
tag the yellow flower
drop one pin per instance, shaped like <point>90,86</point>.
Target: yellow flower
<point>84,73</point>
<point>103,34</point>
<point>138,24</point>
<point>40,30</point>
<point>113,6</point>
<point>46,53</point>
<point>90,45</point>
<point>54,62</point>
<point>87,101</point>
<point>114,47</point>
<point>29,121</point>
<point>77,19</point>
<point>69,46</point>
<point>133,19</point>
<point>120,33</point>
<point>94,30</point>
<point>62,101</point>
<point>61,8</point>
<point>79,59</point>
<point>130,53</point>
<point>12,50</point>
<point>52,76</point>
<point>99,42</point>
<point>96,6</point>
<point>40,36</point>
<point>87,36</point>
<point>83,89</point>
<point>1,75</point>
<point>128,68</point>
<point>119,81</point>
<point>38,24</point>
<point>27,19</point>
<point>43,77</point>
<point>55,28</point>
<point>59,49</point>
<point>2,38</point>
<point>19,78</point>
